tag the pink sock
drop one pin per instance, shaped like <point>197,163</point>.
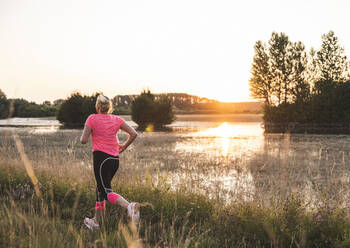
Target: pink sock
<point>112,197</point>
<point>100,205</point>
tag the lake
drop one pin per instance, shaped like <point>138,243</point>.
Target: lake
<point>225,157</point>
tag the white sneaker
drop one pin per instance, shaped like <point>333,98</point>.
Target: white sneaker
<point>134,211</point>
<point>90,223</point>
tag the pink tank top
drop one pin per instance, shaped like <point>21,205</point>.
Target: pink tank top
<point>104,128</point>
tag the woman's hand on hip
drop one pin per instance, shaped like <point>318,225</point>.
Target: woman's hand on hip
<point>121,148</point>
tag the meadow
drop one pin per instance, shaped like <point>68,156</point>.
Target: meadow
<point>223,184</point>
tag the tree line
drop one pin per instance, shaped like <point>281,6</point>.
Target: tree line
<point>300,86</point>
<point>18,107</point>
<point>184,103</point>
<point>146,110</point>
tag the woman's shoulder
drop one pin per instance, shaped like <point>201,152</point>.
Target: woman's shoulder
<point>117,118</point>
<point>92,116</point>
<point>114,116</point>
<point>90,120</point>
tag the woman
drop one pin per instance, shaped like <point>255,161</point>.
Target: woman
<point>103,128</point>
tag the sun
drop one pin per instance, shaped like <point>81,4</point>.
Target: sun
<point>231,93</point>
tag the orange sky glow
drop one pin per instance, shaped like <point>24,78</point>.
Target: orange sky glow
<point>51,48</point>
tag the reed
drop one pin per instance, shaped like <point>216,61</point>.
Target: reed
<point>283,198</point>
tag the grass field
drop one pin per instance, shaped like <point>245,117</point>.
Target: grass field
<point>199,189</point>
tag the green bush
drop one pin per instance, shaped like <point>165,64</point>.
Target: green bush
<point>75,110</point>
<point>146,110</point>
<point>4,106</point>
<point>22,108</point>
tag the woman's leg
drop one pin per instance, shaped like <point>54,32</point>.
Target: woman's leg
<point>100,206</point>
<point>108,172</point>
<point>105,167</point>
<point>101,194</point>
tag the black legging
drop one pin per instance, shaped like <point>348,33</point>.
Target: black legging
<point>105,167</point>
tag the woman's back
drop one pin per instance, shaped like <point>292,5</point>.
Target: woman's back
<point>104,128</point>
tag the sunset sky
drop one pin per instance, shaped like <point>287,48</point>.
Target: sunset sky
<point>50,48</point>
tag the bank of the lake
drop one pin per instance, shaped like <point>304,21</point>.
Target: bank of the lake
<point>307,128</point>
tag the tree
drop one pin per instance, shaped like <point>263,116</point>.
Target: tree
<point>312,74</point>
<point>280,66</point>
<point>4,105</point>
<point>312,88</point>
<point>300,88</point>
<point>331,61</point>
<point>278,71</point>
<point>164,114</point>
<point>146,110</point>
<point>58,102</point>
<point>75,110</point>
<point>260,81</point>
<point>143,109</point>
<point>332,66</point>
<point>19,107</point>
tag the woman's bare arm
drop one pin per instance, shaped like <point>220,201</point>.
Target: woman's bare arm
<point>132,135</point>
<point>85,135</point>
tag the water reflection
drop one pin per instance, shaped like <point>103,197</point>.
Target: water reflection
<point>233,140</point>
<point>226,130</point>
<point>44,130</point>
<point>218,159</point>
<point>34,122</point>
<point>228,134</point>
<point>237,161</point>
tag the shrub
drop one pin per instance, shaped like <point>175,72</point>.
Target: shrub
<point>4,105</point>
<point>146,110</point>
<point>327,111</point>
<point>74,111</point>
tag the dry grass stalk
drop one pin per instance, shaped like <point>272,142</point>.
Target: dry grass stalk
<point>28,166</point>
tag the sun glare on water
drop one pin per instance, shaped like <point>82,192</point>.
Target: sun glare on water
<point>227,139</point>
<point>225,150</point>
<point>226,132</point>
<point>44,130</point>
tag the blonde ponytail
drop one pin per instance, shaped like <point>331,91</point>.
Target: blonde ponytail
<point>104,104</point>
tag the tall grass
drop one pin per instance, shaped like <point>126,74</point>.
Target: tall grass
<point>192,214</point>
<point>171,219</point>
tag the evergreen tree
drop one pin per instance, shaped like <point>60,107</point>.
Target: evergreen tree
<point>300,88</point>
<point>280,66</point>
<point>304,89</point>
<point>331,61</point>
<point>312,74</point>
<point>260,81</point>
